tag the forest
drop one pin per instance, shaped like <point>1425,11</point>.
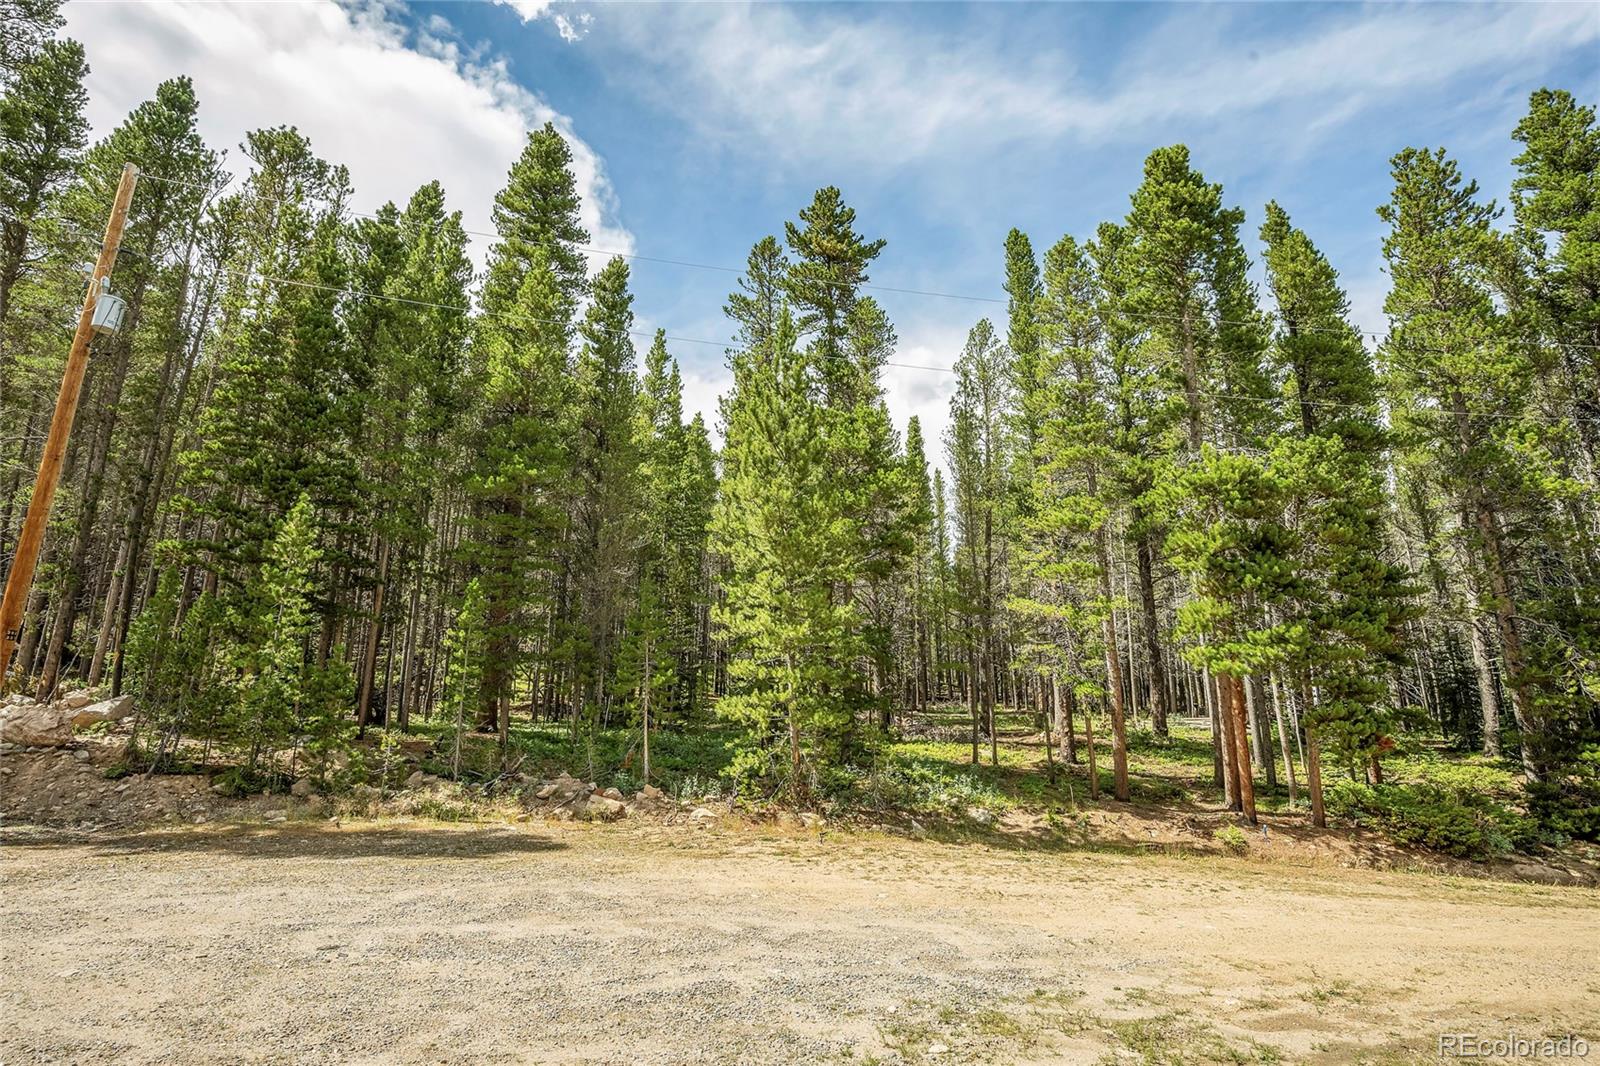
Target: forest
<point>329,484</point>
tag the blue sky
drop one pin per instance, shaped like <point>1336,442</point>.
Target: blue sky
<point>699,128</point>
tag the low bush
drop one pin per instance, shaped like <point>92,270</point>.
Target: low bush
<point>1232,838</point>
<point>1465,824</point>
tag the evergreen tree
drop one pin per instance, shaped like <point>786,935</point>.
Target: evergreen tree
<point>42,133</point>
<point>606,518</point>
<point>1456,361</point>
<point>788,546</point>
<point>521,355</point>
<point>976,447</point>
<point>1356,598</point>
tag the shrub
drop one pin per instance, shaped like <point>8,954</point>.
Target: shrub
<point>1465,824</point>
<point>1570,805</point>
<point>1232,838</point>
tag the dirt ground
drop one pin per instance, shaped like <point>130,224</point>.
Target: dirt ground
<point>419,942</point>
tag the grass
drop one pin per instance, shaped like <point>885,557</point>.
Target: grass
<point>923,1032</point>
<point>929,775</point>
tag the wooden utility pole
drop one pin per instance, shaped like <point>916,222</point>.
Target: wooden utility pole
<point>20,579</point>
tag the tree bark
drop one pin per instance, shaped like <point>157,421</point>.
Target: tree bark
<point>1152,641</point>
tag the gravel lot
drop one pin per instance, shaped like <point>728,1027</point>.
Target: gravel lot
<point>420,942</point>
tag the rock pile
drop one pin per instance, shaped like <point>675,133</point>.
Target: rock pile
<point>26,723</point>
<point>567,797</point>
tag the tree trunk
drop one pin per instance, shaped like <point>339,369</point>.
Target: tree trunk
<point>369,660</point>
<point>1241,747</point>
<point>1283,739</point>
<point>1152,639</point>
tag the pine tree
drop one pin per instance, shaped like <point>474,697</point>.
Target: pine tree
<point>282,697</point>
<point>607,529</point>
<point>522,361</point>
<point>977,449</point>
<point>536,216</point>
<point>925,567</point>
<point>1074,495</point>
<point>1356,598</point>
<point>1455,363</point>
<point>788,545</point>
<point>42,133</point>
<point>1556,199</point>
<point>162,129</point>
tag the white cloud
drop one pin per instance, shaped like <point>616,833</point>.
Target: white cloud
<point>397,116</point>
<point>571,27</point>
<point>843,88</point>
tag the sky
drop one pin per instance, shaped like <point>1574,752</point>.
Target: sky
<point>699,128</point>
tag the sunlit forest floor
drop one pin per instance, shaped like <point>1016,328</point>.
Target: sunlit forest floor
<point>1439,810</point>
<point>1436,804</point>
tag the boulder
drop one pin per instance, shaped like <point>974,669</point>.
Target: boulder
<point>416,780</point>
<point>702,814</point>
<point>37,724</point>
<point>612,793</point>
<point>651,797</point>
<point>303,788</point>
<point>112,710</point>
<point>74,701</point>
<point>602,808</point>
<point>563,789</point>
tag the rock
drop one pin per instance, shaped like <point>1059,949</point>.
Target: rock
<point>112,710</point>
<point>82,755</point>
<point>416,780</point>
<point>37,724</point>
<point>981,815</point>
<point>563,790</point>
<point>303,788</point>
<point>604,809</point>
<point>651,798</point>
<point>938,1049</point>
<point>564,814</point>
<point>612,793</point>
<point>702,814</point>
<point>275,816</point>
<point>73,701</point>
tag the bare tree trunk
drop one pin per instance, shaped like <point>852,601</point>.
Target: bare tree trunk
<point>1241,747</point>
<point>369,660</point>
<point>1152,640</point>
<point>1283,738</point>
<point>1226,749</point>
<point>1262,730</point>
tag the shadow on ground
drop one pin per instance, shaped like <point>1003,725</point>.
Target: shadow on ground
<point>409,842</point>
